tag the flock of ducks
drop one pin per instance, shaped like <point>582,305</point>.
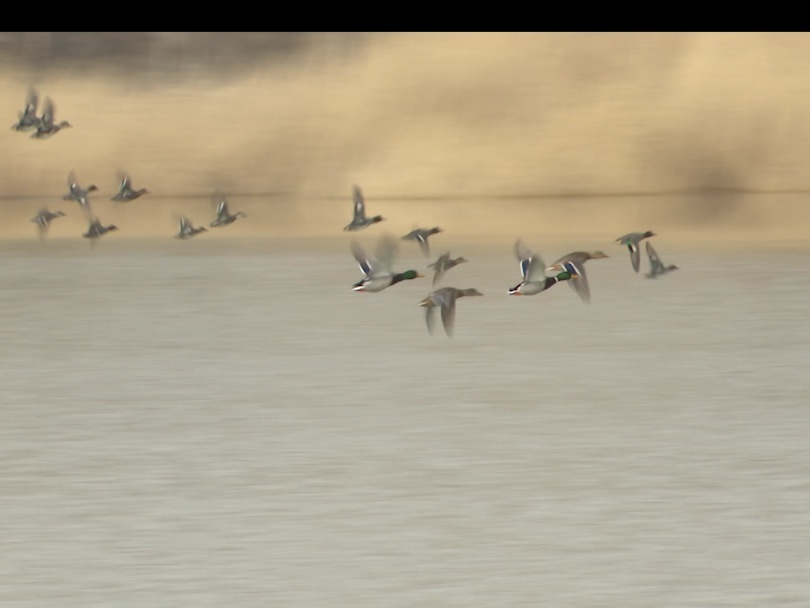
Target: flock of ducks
<point>536,276</point>
<point>377,270</point>
<point>44,126</point>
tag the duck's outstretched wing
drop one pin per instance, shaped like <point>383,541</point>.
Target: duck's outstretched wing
<point>363,261</point>
<point>47,112</point>
<point>359,205</point>
<point>656,265</point>
<point>531,264</point>
<point>579,283</point>
<point>447,301</point>
<point>635,256</point>
<point>385,253</point>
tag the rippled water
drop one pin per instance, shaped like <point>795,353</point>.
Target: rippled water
<point>213,422</point>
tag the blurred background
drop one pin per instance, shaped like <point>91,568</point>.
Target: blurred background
<point>707,134</point>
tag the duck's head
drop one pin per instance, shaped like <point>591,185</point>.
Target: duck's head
<point>598,255</point>
<point>436,230</point>
<point>112,227</point>
<point>92,188</point>
<point>64,124</point>
<point>377,218</point>
<point>648,234</point>
<point>59,213</point>
<point>409,274</point>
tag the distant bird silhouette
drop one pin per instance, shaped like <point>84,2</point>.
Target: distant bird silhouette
<point>187,230</point>
<point>631,241</point>
<point>224,217</point>
<point>28,117</point>
<point>125,192</point>
<point>43,221</point>
<point>657,267</point>
<point>360,221</point>
<point>420,235</point>
<point>443,264</point>
<point>445,300</point>
<point>47,127</point>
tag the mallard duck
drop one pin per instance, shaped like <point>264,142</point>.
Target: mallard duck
<point>47,126</point>
<point>532,270</point>
<point>28,117</point>
<point>187,229</point>
<point>577,259</point>
<point>657,267</point>
<point>631,241</point>
<point>360,221</point>
<point>377,273</point>
<point>443,264</point>
<point>43,220</point>
<point>125,192</point>
<point>79,194</point>
<point>445,299</point>
<point>420,235</point>
<point>224,217</point>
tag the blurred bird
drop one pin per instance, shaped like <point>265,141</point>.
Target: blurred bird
<point>532,270</point>
<point>631,241</point>
<point>47,127</point>
<point>125,192</point>
<point>420,235</point>
<point>96,230</point>
<point>443,264</point>
<point>657,267</point>
<point>360,221</point>
<point>377,273</point>
<point>444,299</point>
<point>79,194</point>
<point>43,220</point>
<point>187,230</point>
<point>28,117</point>
<point>577,259</point>
<point>224,217</point>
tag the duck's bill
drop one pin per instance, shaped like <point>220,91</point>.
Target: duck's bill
<point>420,276</point>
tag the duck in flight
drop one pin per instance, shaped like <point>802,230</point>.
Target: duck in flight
<point>43,221</point>
<point>445,300</point>
<point>77,193</point>
<point>577,259</point>
<point>377,272</point>
<point>657,267</point>
<point>360,221</point>
<point>631,241</point>
<point>47,125</point>
<point>420,235</point>
<point>126,192</point>
<point>224,217</point>
<point>187,229</point>
<point>532,269</point>
<point>443,264</point>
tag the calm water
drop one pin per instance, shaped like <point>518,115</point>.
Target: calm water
<point>212,423</point>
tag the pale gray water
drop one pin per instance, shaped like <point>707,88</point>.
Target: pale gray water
<point>213,423</point>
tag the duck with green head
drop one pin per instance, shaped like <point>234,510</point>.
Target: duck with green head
<point>532,269</point>
<point>377,273</point>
